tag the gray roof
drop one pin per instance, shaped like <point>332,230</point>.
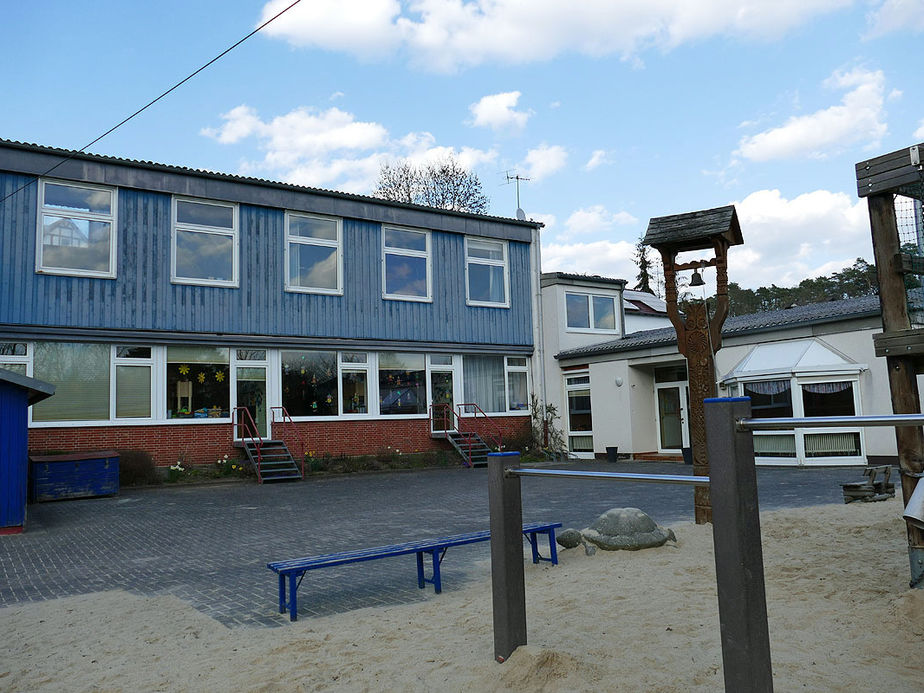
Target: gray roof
<point>811,314</point>
<point>69,154</point>
<point>694,230</point>
<point>550,277</point>
<point>36,390</point>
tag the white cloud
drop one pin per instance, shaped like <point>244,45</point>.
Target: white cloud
<point>543,161</point>
<point>598,158</point>
<point>606,258</point>
<point>858,118</point>
<point>364,28</point>
<point>445,35</point>
<point>919,133</point>
<point>595,219</point>
<point>336,95</point>
<point>787,240</point>
<point>906,16</point>
<point>330,148</point>
<point>497,111</point>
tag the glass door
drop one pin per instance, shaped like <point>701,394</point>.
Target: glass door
<point>441,418</point>
<point>251,393</point>
<point>672,415</point>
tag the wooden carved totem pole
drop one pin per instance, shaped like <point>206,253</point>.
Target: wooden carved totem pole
<point>698,335</point>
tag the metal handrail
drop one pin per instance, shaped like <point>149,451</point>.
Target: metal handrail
<point>252,434</point>
<point>286,420</point>
<point>788,423</point>
<point>455,420</point>
<point>612,476</point>
<point>498,437</point>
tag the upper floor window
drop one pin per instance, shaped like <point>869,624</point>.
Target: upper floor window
<point>313,254</point>
<point>406,264</point>
<point>76,230</point>
<point>205,243</point>
<point>486,272</point>
<point>591,312</point>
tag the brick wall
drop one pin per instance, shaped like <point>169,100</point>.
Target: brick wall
<point>205,443</point>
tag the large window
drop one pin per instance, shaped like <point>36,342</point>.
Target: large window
<point>198,382</point>
<point>205,243</point>
<point>406,264</point>
<point>76,230</point>
<point>80,374</point>
<point>402,383</point>
<point>774,398</point>
<point>590,312</point>
<point>486,272</point>
<point>309,383</point>
<point>517,383</point>
<point>496,384</point>
<point>313,254</point>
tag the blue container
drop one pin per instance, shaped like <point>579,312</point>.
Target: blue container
<point>79,475</point>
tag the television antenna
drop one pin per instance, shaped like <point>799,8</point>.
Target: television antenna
<point>521,215</point>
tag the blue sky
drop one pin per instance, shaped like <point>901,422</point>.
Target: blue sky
<point>616,111</point>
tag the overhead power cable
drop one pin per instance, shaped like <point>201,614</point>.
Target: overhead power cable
<point>152,101</point>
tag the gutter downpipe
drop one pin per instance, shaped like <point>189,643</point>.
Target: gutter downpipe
<point>538,325</point>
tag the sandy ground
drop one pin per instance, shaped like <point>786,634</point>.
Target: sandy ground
<point>842,618</point>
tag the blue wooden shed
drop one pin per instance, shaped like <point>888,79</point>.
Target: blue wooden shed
<point>17,394</point>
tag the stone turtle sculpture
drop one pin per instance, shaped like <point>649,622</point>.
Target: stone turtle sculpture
<point>627,529</point>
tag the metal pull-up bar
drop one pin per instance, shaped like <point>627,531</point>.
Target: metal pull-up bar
<point>736,535</point>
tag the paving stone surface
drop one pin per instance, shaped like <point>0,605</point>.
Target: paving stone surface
<point>209,544</point>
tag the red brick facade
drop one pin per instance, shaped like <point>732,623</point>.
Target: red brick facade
<point>205,443</point>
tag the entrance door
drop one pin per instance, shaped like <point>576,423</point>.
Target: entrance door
<point>672,417</point>
<point>440,394</point>
<point>251,393</point>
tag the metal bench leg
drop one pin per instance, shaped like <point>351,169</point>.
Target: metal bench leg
<point>437,584</point>
<point>282,593</point>
<point>293,601</point>
<point>534,544</point>
<point>553,550</point>
<point>420,570</point>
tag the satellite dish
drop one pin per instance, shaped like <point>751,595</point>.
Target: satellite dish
<point>521,215</point>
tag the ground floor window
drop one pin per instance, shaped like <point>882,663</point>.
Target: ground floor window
<point>198,382</point>
<point>816,397</point>
<point>128,383</point>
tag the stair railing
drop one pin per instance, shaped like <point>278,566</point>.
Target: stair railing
<point>452,422</point>
<point>287,421</point>
<point>494,432</point>
<point>244,428</point>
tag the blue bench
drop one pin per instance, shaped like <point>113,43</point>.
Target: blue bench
<point>294,570</point>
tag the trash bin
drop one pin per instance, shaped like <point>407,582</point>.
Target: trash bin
<point>612,454</point>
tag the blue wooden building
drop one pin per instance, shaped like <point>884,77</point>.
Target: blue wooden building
<point>158,299</point>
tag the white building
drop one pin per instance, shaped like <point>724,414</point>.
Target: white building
<point>631,392</point>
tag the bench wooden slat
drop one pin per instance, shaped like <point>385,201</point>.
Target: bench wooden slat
<point>296,567</point>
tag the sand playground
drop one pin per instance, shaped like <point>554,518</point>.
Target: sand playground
<point>842,618</point>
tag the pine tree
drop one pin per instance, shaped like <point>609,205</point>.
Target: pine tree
<point>644,267</point>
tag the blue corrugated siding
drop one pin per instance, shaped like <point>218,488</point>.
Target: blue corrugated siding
<point>142,296</point>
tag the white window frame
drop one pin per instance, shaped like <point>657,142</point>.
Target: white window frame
<point>233,233</point>
<point>569,387</point>
<point>589,296</point>
<point>427,255</point>
<point>142,362</point>
<point>111,219</point>
<point>338,244</point>
<point>357,367</point>
<point>504,263</point>
<point>19,360</point>
<point>508,369</point>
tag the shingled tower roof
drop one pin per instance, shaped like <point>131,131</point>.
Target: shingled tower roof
<point>694,230</point>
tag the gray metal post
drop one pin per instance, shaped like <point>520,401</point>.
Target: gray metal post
<point>739,563</point>
<point>508,591</point>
